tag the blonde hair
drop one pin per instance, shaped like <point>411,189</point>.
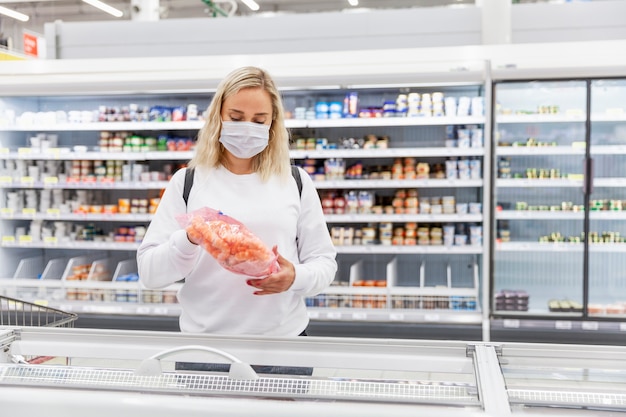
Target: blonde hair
<point>274,159</point>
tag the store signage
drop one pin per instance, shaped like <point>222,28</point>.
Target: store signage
<point>31,44</point>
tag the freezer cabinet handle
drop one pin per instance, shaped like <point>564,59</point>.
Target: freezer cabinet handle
<point>238,369</point>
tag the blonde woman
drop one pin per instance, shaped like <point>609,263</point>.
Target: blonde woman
<point>242,168</point>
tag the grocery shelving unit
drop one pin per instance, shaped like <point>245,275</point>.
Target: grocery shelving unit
<point>557,208</point>
<point>425,284</point>
<point>584,273</point>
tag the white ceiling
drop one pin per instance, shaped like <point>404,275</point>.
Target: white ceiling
<point>42,11</point>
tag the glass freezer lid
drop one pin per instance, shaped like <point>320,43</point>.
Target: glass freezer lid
<point>568,377</point>
<point>304,388</point>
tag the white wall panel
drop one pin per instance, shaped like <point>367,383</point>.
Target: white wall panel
<point>257,35</point>
<point>581,21</point>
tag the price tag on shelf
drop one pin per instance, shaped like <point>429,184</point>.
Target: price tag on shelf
<point>107,182</point>
<point>563,325</point>
<point>25,239</point>
<point>4,151</point>
<point>8,239</point>
<point>333,315</point>
<point>431,317</point>
<point>55,152</point>
<point>24,151</point>
<point>51,180</point>
<point>590,325</point>
<point>50,240</point>
<point>6,212</point>
<point>6,180</point>
<point>54,212</point>
<point>143,311</point>
<point>314,314</point>
<point>511,324</point>
<point>160,311</point>
<point>29,211</point>
<point>396,316</point>
<point>614,111</point>
<point>359,316</point>
<point>27,181</point>
<point>43,303</point>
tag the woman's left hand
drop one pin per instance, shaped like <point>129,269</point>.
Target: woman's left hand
<point>277,282</point>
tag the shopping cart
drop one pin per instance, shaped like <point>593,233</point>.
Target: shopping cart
<point>14,312</point>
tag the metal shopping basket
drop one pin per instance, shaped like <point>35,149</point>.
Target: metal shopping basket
<point>15,312</point>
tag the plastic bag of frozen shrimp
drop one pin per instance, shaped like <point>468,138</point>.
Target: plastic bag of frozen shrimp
<point>229,241</point>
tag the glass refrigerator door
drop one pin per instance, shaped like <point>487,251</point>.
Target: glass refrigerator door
<point>539,145</point>
<point>607,263</point>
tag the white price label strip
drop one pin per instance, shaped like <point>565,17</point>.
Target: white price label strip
<point>511,324</point>
<point>359,316</point>
<point>396,316</point>
<point>590,325</point>
<point>563,325</point>
<point>333,316</point>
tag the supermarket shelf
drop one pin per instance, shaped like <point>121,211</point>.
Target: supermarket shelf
<point>77,245</point>
<point>163,310</point>
<point>539,118</point>
<point>559,331</point>
<point>400,218</point>
<point>411,250</point>
<point>330,218</point>
<point>105,126</point>
<point>528,183</point>
<point>66,154</point>
<point>385,121</point>
<point>538,215</point>
<point>400,316</point>
<point>386,153</point>
<point>558,215</point>
<point>621,117</point>
<point>7,182</point>
<point>538,150</point>
<point>559,150</point>
<point>322,314</point>
<point>5,214</point>
<point>421,183</point>
<point>561,323</point>
<point>351,293</point>
<point>609,182</point>
<point>559,247</point>
<point>290,123</point>
<point>608,149</point>
<point>560,182</point>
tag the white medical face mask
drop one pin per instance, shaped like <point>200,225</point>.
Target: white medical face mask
<point>244,139</point>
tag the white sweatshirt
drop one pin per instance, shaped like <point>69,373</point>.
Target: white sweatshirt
<point>214,300</point>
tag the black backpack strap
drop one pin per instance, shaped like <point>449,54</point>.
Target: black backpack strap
<point>296,175</point>
<point>188,184</point>
<point>189,181</point>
